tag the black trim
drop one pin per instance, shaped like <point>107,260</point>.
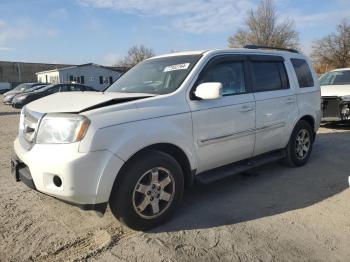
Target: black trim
<point>266,58</point>
<point>100,207</point>
<point>239,167</point>
<point>26,178</point>
<point>192,177</point>
<point>271,47</point>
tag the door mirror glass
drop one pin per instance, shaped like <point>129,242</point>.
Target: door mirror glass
<point>209,91</point>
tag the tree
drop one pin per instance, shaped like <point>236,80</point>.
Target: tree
<point>264,28</point>
<point>333,51</point>
<point>135,55</point>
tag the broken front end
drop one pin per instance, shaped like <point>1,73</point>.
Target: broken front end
<point>336,107</point>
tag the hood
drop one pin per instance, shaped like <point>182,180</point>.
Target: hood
<point>335,90</point>
<point>11,92</point>
<point>75,102</point>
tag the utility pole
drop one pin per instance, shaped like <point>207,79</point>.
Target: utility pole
<point>19,72</point>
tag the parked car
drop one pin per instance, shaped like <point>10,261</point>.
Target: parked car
<point>4,87</point>
<point>168,121</point>
<point>335,92</point>
<point>21,88</point>
<point>22,99</point>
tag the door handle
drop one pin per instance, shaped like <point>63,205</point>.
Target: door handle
<point>290,101</point>
<point>246,108</point>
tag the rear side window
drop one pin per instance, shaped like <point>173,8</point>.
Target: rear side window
<point>269,76</point>
<point>75,88</point>
<point>303,73</point>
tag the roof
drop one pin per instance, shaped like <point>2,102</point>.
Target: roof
<point>229,50</point>
<point>197,52</point>
<point>113,68</point>
<point>341,69</point>
<point>33,63</point>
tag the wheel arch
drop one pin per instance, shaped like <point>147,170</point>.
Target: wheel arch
<point>176,152</point>
<point>311,121</point>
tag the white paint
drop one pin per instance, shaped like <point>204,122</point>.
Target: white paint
<point>210,132</point>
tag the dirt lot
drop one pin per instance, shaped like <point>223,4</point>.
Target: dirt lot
<point>271,214</point>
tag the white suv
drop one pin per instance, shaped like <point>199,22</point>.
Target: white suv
<point>168,121</point>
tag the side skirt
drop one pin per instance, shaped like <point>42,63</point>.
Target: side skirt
<point>239,167</point>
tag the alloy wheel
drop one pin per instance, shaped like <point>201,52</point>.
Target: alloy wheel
<point>303,144</point>
<point>153,193</point>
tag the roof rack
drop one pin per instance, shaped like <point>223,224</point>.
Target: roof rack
<point>271,47</point>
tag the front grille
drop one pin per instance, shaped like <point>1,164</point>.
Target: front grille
<point>29,124</point>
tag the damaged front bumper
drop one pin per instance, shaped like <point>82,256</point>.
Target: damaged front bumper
<point>335,108</point>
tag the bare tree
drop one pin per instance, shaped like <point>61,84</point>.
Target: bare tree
<point>135,55</point>
<point>264,28</point>
<point>333,51</point>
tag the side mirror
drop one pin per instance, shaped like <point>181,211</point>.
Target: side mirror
<point>209,91</point>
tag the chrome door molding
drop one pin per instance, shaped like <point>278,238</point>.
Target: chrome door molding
<point>224,137</point>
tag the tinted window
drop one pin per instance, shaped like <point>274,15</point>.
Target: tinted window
<point>303,73</point>
<point>336,78</point>
<point>75,88</point>
<point>229,74</point>
<point>269,76</point>
<point>64,88</point>
<point>54,89</point>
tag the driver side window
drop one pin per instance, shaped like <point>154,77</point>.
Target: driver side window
<point>229,74</point>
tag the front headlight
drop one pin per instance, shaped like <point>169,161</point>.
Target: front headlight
<point>9,97</point>
<point>346,98</point>
<point>62,128</point>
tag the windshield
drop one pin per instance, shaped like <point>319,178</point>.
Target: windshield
<point>336,78</point>
<point>22,87</point>
<point>44,88</point>
<point>35,88</point>
<point>156,76</point>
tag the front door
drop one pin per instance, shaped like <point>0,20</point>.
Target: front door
<point>223,129</point>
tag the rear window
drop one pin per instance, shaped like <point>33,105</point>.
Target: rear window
<point>269,76</point>
<point>303,73</point>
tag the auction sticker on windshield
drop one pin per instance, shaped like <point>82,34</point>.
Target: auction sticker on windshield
<point>176,67</point>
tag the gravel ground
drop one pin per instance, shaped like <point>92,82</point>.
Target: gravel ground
<point>274,213</point>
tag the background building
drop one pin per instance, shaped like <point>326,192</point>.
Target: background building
<point>19,72</point>
<point>96,76</point>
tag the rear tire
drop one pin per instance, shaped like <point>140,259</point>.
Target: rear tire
<point>148,190</point>
<point>299,148</point>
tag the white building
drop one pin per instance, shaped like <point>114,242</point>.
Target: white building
<point>93,75</point>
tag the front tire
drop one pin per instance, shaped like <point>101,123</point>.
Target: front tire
<point>148,190</point>
<point>299,148</point>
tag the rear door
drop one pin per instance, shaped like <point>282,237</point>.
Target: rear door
<point>276,106</point>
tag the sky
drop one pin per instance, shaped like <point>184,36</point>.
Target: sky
<point>102,31</point>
